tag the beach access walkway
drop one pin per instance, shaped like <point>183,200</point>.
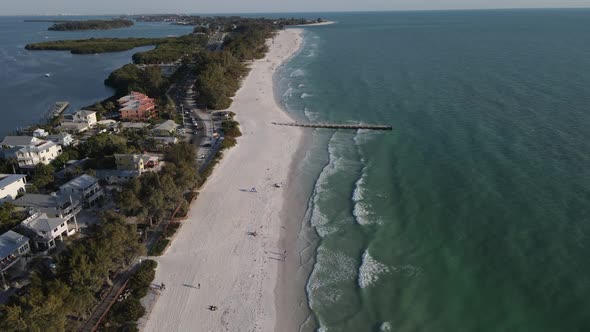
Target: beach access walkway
<point>334,125</point>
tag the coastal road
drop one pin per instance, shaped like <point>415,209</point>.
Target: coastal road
<point>201,136</point>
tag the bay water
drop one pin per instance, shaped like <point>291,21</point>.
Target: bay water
<point>27,94</point>
<point>472,214</point>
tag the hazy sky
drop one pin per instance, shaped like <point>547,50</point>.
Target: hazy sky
<point>25,7</point>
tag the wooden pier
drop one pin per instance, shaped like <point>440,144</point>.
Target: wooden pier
<point>334,125</point>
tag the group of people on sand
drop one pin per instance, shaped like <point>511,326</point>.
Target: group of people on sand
<point>210,307</point>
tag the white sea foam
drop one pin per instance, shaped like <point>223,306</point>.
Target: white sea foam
<point>361,209</point>
<point>297,73</point>
<point>288,93</point>
<point>311,116</point>
<point>318,219</point>
<point>371,269</point>
<point>306,95</point>
<point>332,267</point>
<point>385,327</point>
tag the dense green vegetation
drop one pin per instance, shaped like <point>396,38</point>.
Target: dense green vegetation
<point>173,50</point>
<point>225,23</point>
<point>83,268</point>
<point>156,195</point>
<point>131,78</point>
<point>90,25</point>
<point>96,45</point>
<point>219,73</point>
<point>9,217</point>
<point>124,314</point>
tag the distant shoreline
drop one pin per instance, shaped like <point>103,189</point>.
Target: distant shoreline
<point>317,24</point>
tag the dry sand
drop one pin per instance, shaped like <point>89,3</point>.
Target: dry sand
<point>236,272</point>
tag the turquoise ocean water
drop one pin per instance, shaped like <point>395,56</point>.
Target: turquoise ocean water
<point>473,214</point>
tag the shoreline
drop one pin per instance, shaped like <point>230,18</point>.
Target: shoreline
<point>317,24</point>
<point>213,260</point>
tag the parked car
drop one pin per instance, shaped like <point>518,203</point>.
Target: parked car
<point>49,265</point>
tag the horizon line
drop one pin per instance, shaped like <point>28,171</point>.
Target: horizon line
<point>301,12</point>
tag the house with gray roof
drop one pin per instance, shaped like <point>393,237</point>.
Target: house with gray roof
<point>166,128</point>
<point>45,230</point>
<point>29,151</point>
<point>13,246</point>
<point>85,188</point>
<point>11,185</point>
<point>62,206</point>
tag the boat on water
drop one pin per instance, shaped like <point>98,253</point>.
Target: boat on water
<point>47,75</point>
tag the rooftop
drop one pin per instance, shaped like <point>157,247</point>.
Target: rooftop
<point>82,182</point>
<point>7,179</point>
<point>10,242</point>
<point>134,125</point>
<point>85,112</point>
<point>19,140</point>
<point>168,125</point>
<point>40,222</point>
<point>40,201</point>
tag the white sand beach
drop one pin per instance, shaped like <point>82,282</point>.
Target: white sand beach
<point>212,260</point>
<point>319,24</point>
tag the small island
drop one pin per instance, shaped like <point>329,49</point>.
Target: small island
<point>90,25</point>
<point>96,45</point>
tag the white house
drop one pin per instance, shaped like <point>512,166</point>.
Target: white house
<point>63,139</point>
<point>13,246</point>
<point>30,151</point>
<point>84,116</point>
<point>62,206</point>
<point>45,230</point>
<point>166,128</point>
<point>40,133</point>
<point>11,185</point>
<point>84,188</point>
<point>79,121</point>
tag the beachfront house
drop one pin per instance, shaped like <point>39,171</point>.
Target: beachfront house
<point>137,107</point>
<point>29,151</point>
<point>45,230</point>
<point>62,138</point>
<point>136,162</point>
<point>11,185</point>
<point>165,129</point>
<point>13,247</point>
<point>54,205</point>
<point>84,188</point>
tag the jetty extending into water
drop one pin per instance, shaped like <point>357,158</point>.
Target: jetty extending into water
<point>334,125</point>
<point>57,109</point>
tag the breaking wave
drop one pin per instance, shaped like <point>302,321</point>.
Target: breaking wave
<point>370,270</point>
<point>297,73</point>
<point>385,327</point>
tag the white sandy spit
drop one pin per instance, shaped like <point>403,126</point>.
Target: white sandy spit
<point>236,272</point>
<point>318,24</point>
